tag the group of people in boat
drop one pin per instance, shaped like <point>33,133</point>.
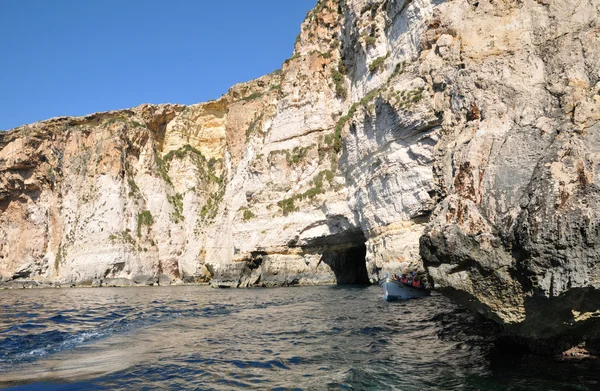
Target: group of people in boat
<point>413,280</point>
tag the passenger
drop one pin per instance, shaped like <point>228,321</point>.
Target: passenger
<point>416,283</point>
<point>404,279</point>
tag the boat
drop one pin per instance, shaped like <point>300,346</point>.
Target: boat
<point>396,290</point>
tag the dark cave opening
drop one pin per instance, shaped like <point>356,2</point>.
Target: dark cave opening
<point>349,265</point>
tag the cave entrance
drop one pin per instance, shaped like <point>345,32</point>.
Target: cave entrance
<point>349,265</point>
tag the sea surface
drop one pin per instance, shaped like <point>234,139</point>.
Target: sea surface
<point>301,338</point>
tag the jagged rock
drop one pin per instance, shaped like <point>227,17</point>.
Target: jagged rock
<point>253,279</point>
<point>515,234</point>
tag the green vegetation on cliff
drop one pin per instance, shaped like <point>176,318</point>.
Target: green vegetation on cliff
<point>205,169</point>
<point>144,218</point>
<point>123,236</point>
<point>335,139</point>
<point>177,202</point>
<point>377,64</point>
<point>287,205</point>
<point>338,79</point>
<point>253,96</point>
<point>247,214</point>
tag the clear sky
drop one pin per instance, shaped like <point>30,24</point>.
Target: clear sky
<point>75,57</point>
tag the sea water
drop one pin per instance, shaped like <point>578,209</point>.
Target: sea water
<point>301,338</point>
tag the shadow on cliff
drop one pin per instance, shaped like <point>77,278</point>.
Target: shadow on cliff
<point>553,327</point>
<point>557,324</point>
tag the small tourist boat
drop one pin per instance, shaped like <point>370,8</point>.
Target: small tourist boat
<point>395,290</point>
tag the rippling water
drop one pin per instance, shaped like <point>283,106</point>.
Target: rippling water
<point>308,338</point>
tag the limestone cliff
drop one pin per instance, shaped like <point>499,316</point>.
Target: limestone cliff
<point>463,132</point>
<point>515,234</point>
<point>286,179</point>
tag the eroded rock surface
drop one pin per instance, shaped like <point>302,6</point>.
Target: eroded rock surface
<point>515,234</point>
<point>283,180</point>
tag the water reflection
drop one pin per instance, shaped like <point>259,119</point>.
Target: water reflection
<point>305,338</point>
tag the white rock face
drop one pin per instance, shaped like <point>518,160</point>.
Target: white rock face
<point>374,187</point>
<point>296,177</point>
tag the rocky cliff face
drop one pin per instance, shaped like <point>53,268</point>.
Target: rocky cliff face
<point>515,233</point>
<point>296,177</point>
<point>460,132</point>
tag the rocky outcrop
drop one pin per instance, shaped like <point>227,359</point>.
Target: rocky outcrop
<point>515,234</point>
<point>462,133</point>
<point>94,197</point>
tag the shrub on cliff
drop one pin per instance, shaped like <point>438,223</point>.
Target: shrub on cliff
<point>144,218</point>
<point>377,64</point>
<point>338,80</point>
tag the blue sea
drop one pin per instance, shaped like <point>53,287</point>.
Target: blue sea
<point>300,338</point>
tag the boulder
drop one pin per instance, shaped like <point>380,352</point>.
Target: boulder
<point>164,280</point>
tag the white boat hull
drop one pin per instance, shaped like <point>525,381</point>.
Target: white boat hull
<point>395,290</point>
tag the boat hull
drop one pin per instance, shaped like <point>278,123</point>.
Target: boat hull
<point>395,290</point>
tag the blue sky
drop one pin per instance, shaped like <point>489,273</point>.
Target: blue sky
<point>75,57</point>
